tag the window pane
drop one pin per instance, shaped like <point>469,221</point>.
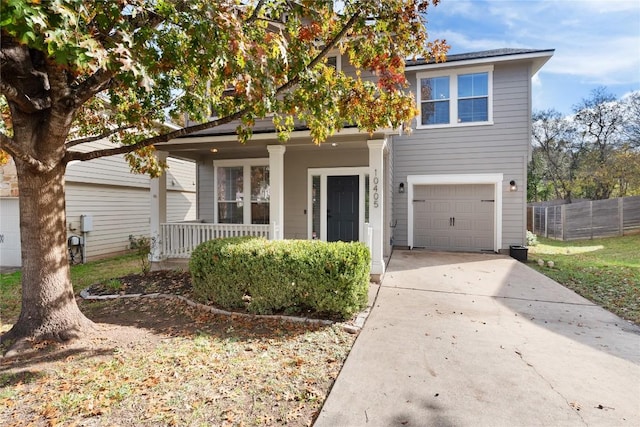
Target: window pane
<point>230,185</point>
<point>435,113</point>
<point>230,212</point>
<point>260,195</point>
<point>260,184</point>
<point>230,195</point>
<point>315,203</point>
<point>259,212</point>
<point>473,110</point>
<point>473,85</point>
<point>366,198</point>
<point>435,88</point>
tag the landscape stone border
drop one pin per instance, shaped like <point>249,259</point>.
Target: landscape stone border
<point>352,328</point>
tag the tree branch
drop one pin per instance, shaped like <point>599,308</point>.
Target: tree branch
<point>74,155</point>
<point>97,82</point>
<point>15,150</point>
<point>103,135</point>
<point>254,14</point>
<point>22,100</point>
<point>325,51</point>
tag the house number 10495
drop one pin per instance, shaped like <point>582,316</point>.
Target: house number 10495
<point>375,195</point>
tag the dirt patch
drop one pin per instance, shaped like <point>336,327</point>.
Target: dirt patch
<point>162,362</point>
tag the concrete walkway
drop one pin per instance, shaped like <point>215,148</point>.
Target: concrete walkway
<point>483,340</point>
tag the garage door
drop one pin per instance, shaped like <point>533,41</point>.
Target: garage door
<point>454,217</point>
<point>9,233</point>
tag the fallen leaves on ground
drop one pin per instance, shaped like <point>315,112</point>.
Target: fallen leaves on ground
<point>161,362</point>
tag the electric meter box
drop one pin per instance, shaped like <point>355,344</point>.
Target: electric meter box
<point>86,223</point>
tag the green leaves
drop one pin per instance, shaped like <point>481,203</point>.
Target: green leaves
<point>218,58</point>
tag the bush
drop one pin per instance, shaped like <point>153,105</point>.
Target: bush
<point>141,245</point>
<point>532,239</point>
<point>290,276</point>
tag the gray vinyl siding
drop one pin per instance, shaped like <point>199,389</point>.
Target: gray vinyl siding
<point>205,190</point>
<point>296,165</point>
<point>119,201</point>
<point>297,161</point>
<point>498,148</point>
<point>119,212</point>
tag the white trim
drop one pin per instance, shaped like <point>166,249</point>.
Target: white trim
<point>323,173</point>
<point>453,96</point>
<point>336,53</point>
<point>480,61</point>
<point>246,178</point>
<point>481,178</point>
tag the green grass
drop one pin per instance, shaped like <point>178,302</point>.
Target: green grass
<point>605,271</point>
<point>82,275</point>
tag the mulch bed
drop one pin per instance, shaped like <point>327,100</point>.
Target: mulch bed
<point>164,282</point>
<point>179,283</point>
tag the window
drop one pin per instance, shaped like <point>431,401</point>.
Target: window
<point>236,204</point>
<point>473,97</point>
<point>455,99</point>
<point>335,61</point>
<point>230,195</point>
<point>434,93</point>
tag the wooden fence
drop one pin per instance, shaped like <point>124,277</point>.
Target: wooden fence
<point>585,220</point>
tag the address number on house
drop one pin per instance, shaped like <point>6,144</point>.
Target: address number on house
<point>374,191</point>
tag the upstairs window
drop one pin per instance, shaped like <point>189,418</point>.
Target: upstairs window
<point>455,99</point>
<point>334,61</point>
<point>473,97</point>
<point>434,93</point>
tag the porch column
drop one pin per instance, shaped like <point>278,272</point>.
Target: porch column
<point>158,188</point>
<point>376,203</point>
<point>276,190</point>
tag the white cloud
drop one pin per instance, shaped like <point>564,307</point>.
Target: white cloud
<point>601,61</point>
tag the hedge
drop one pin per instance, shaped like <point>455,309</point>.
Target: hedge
<point>291,276</point>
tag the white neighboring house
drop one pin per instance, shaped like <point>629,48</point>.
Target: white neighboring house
<point>115,201</point>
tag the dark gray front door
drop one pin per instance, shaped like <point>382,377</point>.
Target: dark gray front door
<point>342,208</point>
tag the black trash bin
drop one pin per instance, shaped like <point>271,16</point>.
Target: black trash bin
<point>518,252</point>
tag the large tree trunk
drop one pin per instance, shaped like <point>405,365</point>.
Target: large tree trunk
<point>49,309</point>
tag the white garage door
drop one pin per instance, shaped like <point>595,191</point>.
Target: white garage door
<point>10,233</point>
<point>454,217</point>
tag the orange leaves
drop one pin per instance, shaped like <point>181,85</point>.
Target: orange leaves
<point>309,32</point>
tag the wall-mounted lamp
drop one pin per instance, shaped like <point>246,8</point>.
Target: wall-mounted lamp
<point>513,186</point>
<point>401,188</point>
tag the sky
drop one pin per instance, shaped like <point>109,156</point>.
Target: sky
<point>597,43</point>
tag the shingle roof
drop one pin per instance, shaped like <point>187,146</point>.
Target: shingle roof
<point>479,55</point>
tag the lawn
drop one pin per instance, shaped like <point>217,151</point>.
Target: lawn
<point>162,362</point>
<point>82,275</point>
<point>605,271</point>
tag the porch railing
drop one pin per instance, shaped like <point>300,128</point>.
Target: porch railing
<point>178,240</point>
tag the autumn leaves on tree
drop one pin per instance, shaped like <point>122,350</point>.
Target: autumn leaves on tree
<point>75,71</point>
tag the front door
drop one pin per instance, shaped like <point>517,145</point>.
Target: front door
<point>342,208</point>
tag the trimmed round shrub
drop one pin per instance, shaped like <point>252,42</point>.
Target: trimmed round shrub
<point>290,276</point>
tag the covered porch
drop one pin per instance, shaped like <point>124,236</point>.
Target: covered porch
<point>339,190</point>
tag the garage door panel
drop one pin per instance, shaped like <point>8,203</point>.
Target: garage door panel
<point>454,217</point>
<point>462,207</point>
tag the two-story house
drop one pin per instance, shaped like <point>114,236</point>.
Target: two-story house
<point>457,182</point>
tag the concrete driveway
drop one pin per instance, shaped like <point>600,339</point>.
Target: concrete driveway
<point>482,340</point>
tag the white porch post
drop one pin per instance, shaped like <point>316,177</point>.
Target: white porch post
<point>376,203</point>
<point>158,188</point>
<point>276,190</point>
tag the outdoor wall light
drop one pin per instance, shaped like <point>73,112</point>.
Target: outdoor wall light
<point>513,186</point>
<point>401,188</point>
